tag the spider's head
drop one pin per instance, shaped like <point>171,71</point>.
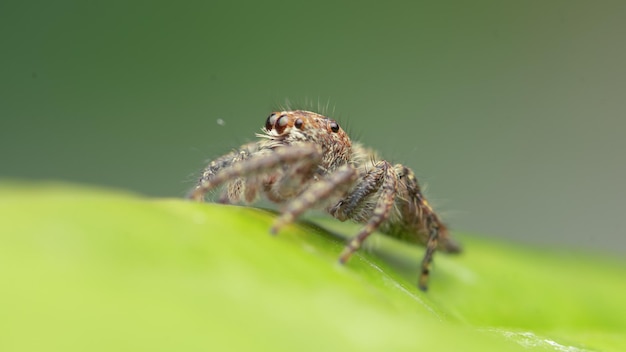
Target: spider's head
<point>300,125</point>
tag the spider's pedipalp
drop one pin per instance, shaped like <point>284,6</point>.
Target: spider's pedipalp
<point>292,180</point>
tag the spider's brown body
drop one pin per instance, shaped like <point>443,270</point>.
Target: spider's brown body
<point>305,160</point>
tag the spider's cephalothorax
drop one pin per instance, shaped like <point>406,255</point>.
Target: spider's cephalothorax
<point>305,160</point>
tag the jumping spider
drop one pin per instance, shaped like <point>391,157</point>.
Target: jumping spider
<point>305,160</point>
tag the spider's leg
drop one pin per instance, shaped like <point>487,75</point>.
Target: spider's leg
<point>224,162</point>
<point>446,243</point>
<point>419,209</point>
<point>351,206</point>
<point>335,184</point>
<point>254,165</point>
<point>432,224</point>
<point>419,213</point>
<point>381,212</point>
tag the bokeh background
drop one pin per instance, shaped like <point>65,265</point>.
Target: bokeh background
<point>512,112</point>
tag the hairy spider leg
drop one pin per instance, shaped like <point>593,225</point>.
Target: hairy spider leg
<point>432,224</point>
<point>420,211</point>
<point>355,204</point>
<point>223,162</point>
<point>381,212</point>
<point>255,165</point>
<point>335,184</point>
<point>239,189</point>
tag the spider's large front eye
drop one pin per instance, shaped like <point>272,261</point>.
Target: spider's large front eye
<point>281,124</point>
<point>334,126</point>
<point>269,124</point>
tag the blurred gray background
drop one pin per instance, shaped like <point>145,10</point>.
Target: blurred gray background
<point>513,113</point>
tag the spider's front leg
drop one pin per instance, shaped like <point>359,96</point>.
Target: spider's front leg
<point>223,162</point>
<point>266,161</point>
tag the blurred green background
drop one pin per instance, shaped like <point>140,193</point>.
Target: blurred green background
<point>513,113</point>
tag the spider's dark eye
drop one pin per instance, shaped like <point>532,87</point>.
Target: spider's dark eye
<point>270,122</point>
<point>281,123</point>
<point>299,124</point>
<point>334,126</point>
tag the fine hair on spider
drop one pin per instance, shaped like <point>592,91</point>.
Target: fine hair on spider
<point>304,160</point>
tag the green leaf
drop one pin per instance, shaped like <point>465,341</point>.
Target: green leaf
<point>85,269</point>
